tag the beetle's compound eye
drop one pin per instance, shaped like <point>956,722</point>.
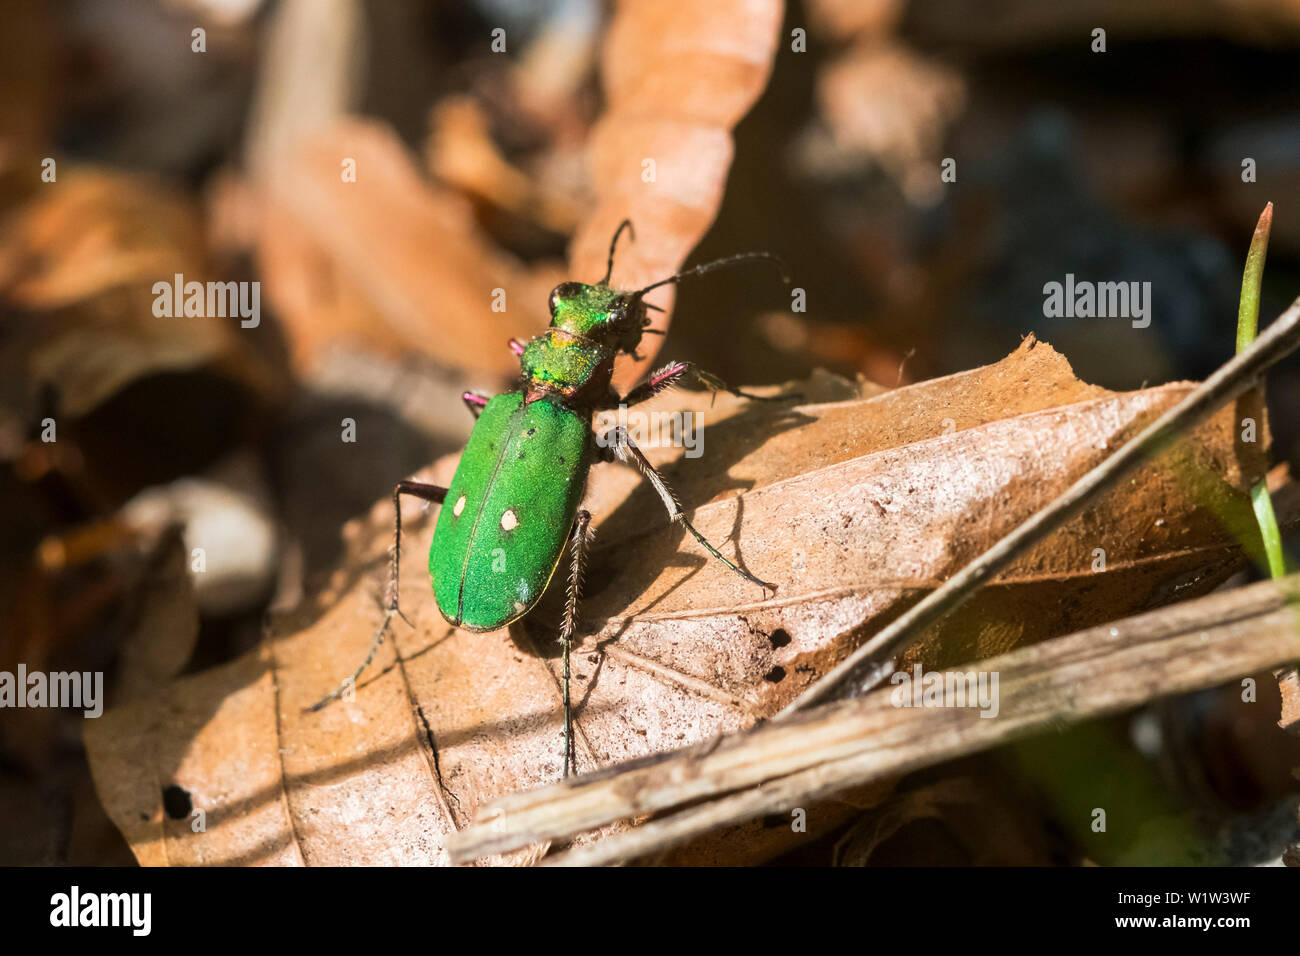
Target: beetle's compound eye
<point>565,290</point>
<point>619,311</point>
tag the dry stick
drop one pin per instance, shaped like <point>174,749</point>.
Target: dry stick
<point>774,767</point>
<point>1123,688</point>
<point>871,663</point>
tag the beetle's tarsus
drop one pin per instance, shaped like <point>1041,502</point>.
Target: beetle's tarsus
<point>356,675</point>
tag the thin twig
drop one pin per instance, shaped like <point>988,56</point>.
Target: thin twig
<point>870,663</point>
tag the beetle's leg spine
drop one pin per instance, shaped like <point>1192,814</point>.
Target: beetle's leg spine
<point>581,540</point>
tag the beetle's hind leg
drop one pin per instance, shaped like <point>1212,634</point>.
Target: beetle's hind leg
<point>617,442</point>
<point>418,489</point>
<point>581,540</point>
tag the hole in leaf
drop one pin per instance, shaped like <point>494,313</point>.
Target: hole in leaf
<point>176,802</point>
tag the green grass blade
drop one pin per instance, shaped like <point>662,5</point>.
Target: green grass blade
<point>1247,329</point>
<point>1251,279</point>
<point>1263,505</point>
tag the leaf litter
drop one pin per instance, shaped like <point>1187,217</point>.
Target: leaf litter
<point>855,501</point>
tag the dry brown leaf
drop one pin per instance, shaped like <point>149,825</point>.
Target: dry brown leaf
<point>78,265</point>
<point>166,620</point>
<point>462,154</point>
<point>95,232</point>
<point>79,261</point>
<point>388,260</point>
<point>678,76</point>
<point>855,506</point>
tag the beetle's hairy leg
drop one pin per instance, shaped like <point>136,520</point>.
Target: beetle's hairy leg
<point>581,541</point>
<point>337,692</point>
<point>474,402</point>
<point>418,489</point>
<point>670,375</point>
<point>659,381</point>
<point>626,451</point>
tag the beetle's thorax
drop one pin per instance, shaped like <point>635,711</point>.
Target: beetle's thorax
<point>590,326</point>
<point>558,361</point>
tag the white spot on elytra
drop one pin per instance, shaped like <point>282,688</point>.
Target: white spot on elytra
<point>508,521</point>
<point>460,506</point>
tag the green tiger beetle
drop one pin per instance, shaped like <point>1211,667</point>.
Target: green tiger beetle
<point>521,477</point>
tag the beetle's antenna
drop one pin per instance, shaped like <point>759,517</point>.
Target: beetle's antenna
<point>613,243</point>
<point>718,264</point>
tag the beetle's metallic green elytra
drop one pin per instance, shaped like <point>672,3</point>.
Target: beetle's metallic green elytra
<point>508,512</point>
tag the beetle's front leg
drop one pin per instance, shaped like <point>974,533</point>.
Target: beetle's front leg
<point>617,444</point>
<point>581,539</point>
<point>418,489</point>
<point>672,374</point>
<point>474,402</point>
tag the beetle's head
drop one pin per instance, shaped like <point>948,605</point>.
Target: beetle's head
<point>618,318</point>
<point>598,312</point>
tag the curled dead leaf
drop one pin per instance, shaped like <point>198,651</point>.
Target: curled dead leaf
<point>678,76</point>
